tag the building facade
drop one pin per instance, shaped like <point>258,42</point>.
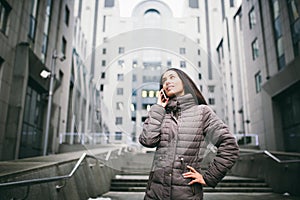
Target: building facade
<point>258,51</point>
<point>272,41</point>
<point>35,36</point>
<point>243,56</point>
<point>133,50</point>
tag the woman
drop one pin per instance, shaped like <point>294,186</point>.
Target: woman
<point>181,126</point>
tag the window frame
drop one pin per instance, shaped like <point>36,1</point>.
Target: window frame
<point>255,49</point>
<point>258,81</point>
<point>4,18</point>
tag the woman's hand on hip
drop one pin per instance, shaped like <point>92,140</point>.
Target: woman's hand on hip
<point>198,178</point>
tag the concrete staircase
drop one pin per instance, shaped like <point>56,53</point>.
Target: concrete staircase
<point>134,175</point>
<point>138,183</point>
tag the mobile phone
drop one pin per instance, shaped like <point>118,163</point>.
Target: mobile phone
<point>164,96</point>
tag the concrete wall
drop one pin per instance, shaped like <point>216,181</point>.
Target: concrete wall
<point>92,178</point>
<point>281,177</point>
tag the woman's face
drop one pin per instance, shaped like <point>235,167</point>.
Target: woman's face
<point>172,84</point>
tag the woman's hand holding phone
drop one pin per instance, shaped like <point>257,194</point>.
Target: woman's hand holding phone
<point>162,98</point>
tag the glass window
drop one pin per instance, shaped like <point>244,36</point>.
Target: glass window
<point>293,10</point>
<point>32,128</point>
<point>211,88</point>
<point>120,77</point>
<point>276,11</point>
<point>134,63</point>
<point>258,82</point>
<point>103,27</point>
<point>169,63</point>
<point>121,62</point>
<point>182,50</point>
<point>120,91</point>
<point>151,93</point>
<point>211,101</point>
<point>121,50</point>
<point>1,68</point>
<point>44,45</point>
<point>252,18</point>
<point>134,77</point>
<point>220,51</point>
<point>289,104</point>
<point>46,30</point>
<point>223,9</point>
<point>277,24</point>
<point>133,107</point>
<point>119,120</point>
<point>103,63</point>
<point>198,25</point>
<point>4,12</point>
<point>104,51</point>
<point>64,46</point>
<point>277,27</point>
<point>67,15</point>
<point>199,52</point>
<point>255,49</point>
<point>118,135</point>
<point>152,18</point>
<point>200,76</point>
<point>33,20</point>
<point>103,75</point>
<point>193,4</point>
<point>182,64</point>
<point>109,3</point>
<point>133,92</point>
<point>144,93</point>
<point>293,7</point>
<point>199,63</point>
<point>280,50</point>
<point>120,105</point>
<point>280,54</point>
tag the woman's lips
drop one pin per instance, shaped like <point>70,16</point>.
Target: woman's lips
<point>170,87</point>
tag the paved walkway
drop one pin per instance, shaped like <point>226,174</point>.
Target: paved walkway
<point>207,196</point>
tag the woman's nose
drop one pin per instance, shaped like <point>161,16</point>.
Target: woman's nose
<point>167,82</point>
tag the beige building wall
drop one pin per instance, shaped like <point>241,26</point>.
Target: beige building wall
<point>151,40</point>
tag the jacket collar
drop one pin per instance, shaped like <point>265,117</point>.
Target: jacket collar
<point>180,103</point>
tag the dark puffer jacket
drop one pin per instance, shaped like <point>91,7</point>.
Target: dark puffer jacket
<point>181,133</point>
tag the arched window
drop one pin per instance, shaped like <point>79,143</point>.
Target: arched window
<point>152,12</point>
<point>152,17</point>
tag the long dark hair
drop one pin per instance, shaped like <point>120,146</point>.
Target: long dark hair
<point>188,85</point>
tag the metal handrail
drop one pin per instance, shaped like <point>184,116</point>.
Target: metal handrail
<point>45,180</point>
<point>272,156</point>
<point>278,160</point>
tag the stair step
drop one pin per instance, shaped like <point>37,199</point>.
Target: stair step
<point>206,189</point>
<point>128,183</point>
<point>138,183</point>
<point>128,189</point>
<point>238,189</point>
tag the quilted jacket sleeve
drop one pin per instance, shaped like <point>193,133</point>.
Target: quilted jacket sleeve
<point>150,135</point>
<point>218,134</point>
